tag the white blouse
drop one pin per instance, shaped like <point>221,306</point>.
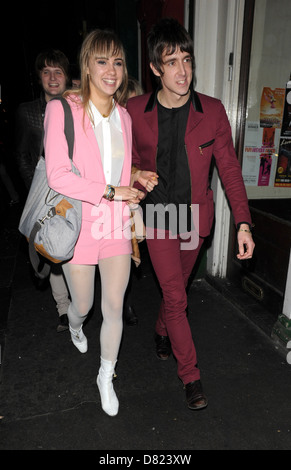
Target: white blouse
<point>109,137</point>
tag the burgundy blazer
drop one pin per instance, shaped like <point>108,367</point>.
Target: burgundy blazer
<point>208,134</point>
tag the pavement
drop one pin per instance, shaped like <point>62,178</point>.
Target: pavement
<point>48,394</point>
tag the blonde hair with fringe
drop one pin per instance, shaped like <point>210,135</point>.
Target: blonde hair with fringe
<point>99,42</point>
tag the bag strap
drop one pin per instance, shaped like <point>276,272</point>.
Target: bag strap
<point>34,258</point>
<point>69,125</point>
<point>70,136</point>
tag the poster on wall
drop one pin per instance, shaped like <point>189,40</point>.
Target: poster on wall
<point>271,109</point>
<point>283,171</point>
<point>262,140</point>
<point>260,155</point>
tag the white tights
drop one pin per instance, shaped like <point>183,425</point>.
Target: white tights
<point>114,274</point>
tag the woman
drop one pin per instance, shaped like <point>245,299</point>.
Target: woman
<point>102,154</point>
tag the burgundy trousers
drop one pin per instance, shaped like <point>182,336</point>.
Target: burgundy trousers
<point>173,264</point>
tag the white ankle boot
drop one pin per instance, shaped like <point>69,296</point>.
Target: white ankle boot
<point>79,339</point>
<point>109,400</point>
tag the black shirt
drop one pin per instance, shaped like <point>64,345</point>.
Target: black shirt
<point>174,186</point>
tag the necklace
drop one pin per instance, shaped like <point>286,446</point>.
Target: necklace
<point>110,111</point>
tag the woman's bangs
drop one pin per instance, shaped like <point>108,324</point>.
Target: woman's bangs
<point>108,49</point>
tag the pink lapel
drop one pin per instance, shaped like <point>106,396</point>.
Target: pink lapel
<point>92,141</point>
<point>127,139</point>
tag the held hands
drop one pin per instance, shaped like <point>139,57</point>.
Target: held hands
<point>148,179</point>
<point>129,194</point>
<point>246,243</point>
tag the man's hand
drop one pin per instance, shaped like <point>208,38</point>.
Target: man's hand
<point>148,179</point>
<point>246,243</point>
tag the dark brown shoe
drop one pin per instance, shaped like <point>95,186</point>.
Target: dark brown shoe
<point>63,323</point>
<point>196,400</point>
<point>130,316</point>
<point>163,347</point>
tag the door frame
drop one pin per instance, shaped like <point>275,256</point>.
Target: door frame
<point>218,35</point>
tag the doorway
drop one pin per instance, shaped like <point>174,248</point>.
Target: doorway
<point>261,135</point>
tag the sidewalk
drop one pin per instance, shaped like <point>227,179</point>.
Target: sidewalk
<point>48,394</point>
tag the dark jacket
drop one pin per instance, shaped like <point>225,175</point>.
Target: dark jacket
<point>28,137</point>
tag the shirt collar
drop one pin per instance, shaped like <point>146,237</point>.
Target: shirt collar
<point>97,116</point>
<point>152,102</point>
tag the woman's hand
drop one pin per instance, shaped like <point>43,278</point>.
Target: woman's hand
<point>148,179</point>
<point>129,194</point>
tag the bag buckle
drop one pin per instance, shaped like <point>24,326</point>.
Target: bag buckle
<point>51,213</point>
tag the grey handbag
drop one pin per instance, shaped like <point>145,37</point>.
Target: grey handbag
<point>50,221</point>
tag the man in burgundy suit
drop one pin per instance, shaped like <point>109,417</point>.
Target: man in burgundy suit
<point>176,131</point>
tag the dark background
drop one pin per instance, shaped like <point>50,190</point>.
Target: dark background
<point>28,28</point>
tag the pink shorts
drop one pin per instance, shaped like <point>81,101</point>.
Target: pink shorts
<point>89,250</point>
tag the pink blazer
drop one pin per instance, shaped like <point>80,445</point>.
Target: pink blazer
<point>89,188</point>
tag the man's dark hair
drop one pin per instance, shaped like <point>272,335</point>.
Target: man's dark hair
<point>168,35</point>
<point>52,58</point>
